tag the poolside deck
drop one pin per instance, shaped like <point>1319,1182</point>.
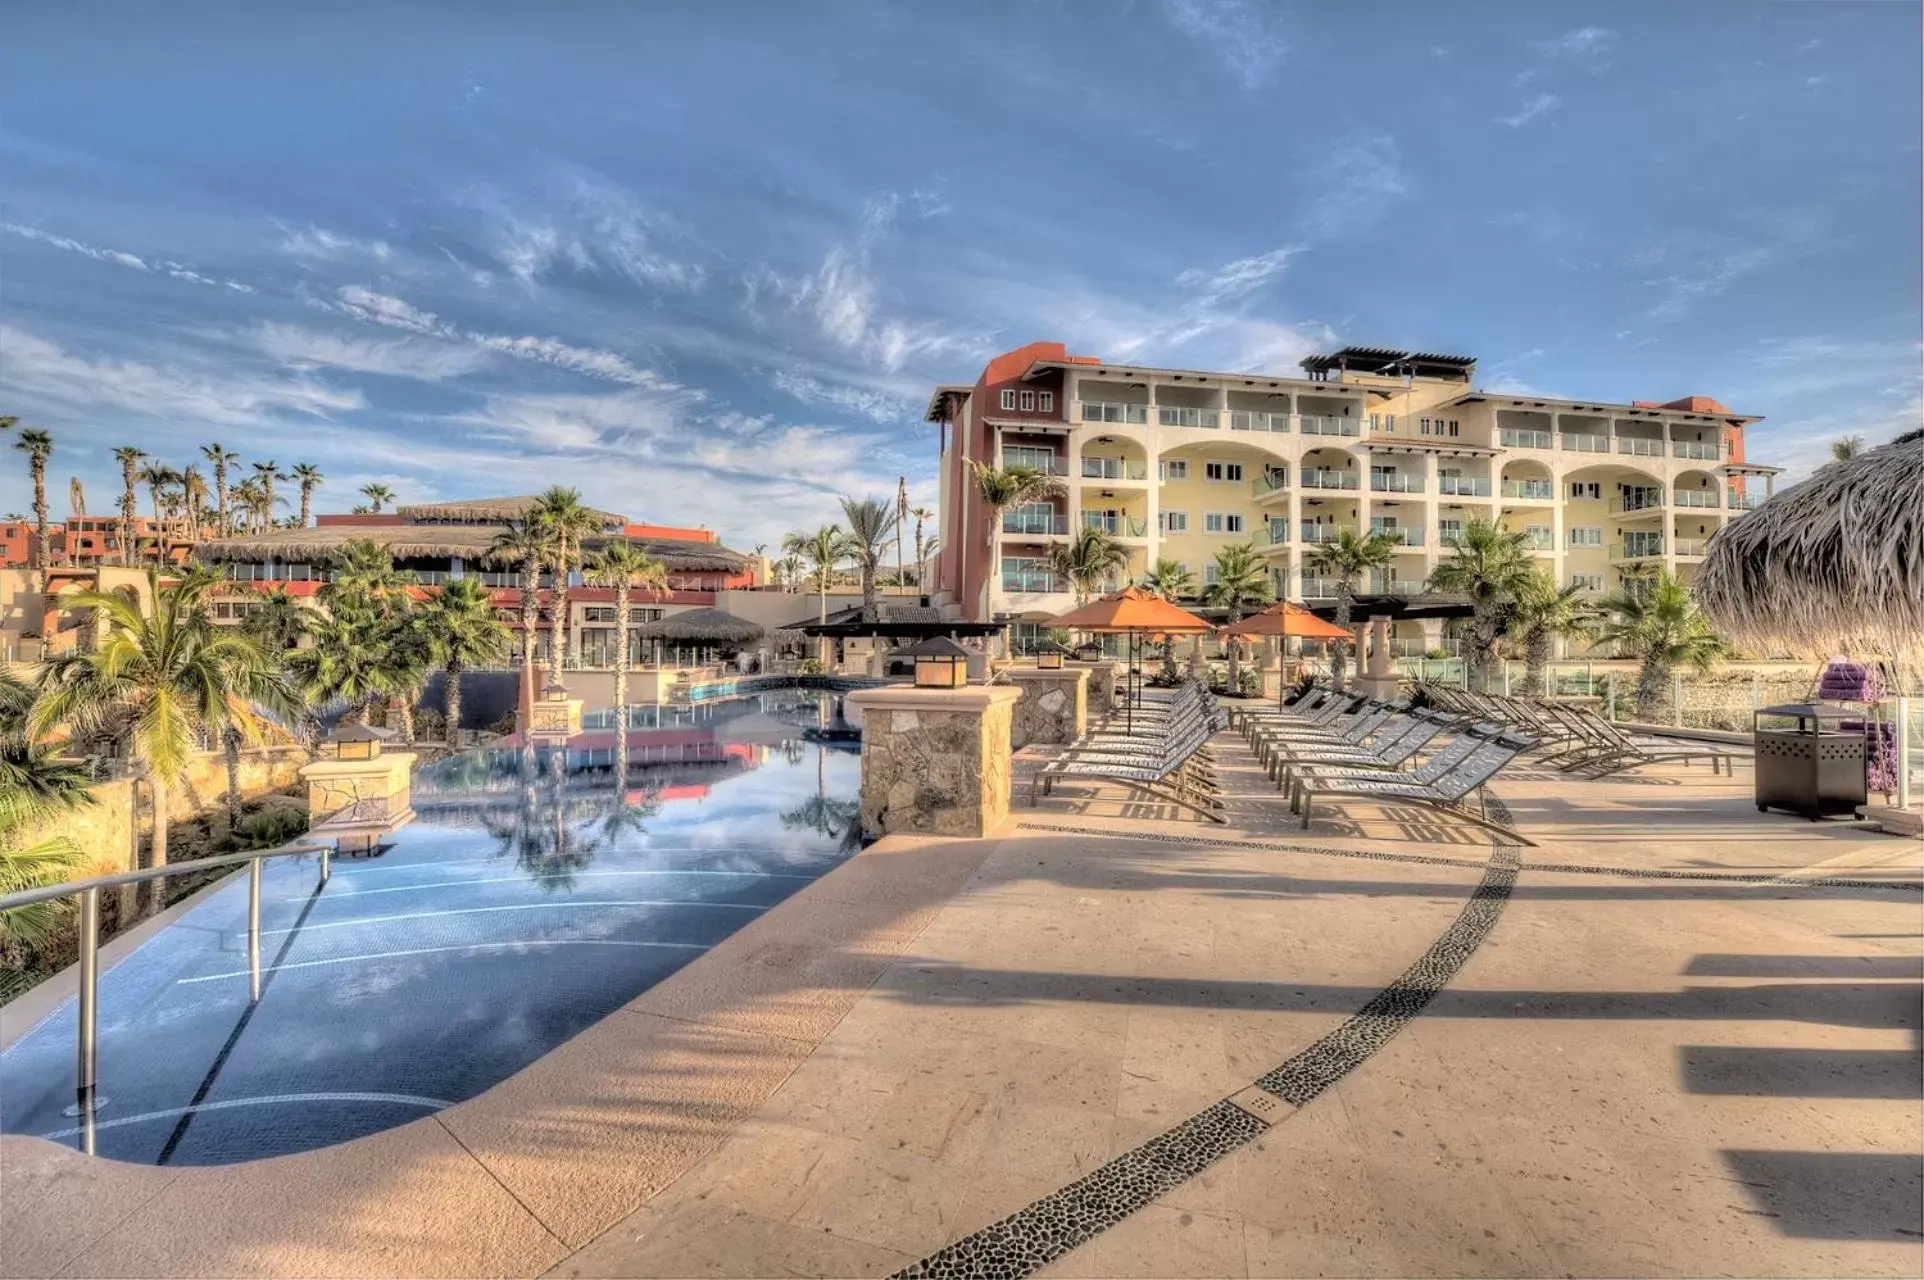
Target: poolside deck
<point>1679,1038</point>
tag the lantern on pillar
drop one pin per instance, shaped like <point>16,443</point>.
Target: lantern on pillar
<point>940,663</point>
<point>1049,655</point>
<point>354,742</point>
<point>1089,651</point>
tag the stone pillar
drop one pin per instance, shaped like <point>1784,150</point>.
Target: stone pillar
<point>1054,706</point>
<point>1379,669</point>
<point>934,761</point>
<point>1102,685</point>
<point>555,716</point>
<point>378,791</point>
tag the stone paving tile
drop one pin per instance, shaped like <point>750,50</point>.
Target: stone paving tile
<point>721,1239</point>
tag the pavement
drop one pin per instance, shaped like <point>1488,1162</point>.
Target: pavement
<point>1678,1038</point>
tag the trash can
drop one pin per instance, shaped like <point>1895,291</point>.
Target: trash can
<point>1808,761</point>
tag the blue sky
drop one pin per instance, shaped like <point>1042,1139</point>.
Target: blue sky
<point>706,260</point>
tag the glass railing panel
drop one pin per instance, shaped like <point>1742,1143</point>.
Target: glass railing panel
<point>1640,448</point>
<point>1315,478</point>
<point>1585,442</point>
<point>1519,438</point>
<point>1247,420</point>
<point>1528,489</point>
<point>1318,425</point>
<point>1181,416</point>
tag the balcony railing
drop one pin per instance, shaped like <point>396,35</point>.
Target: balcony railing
<point>1114,411</point>
<point>1522,438</point>
<point>1034,524</point>
<point>1464,486</point>
<point>1032,580</point>
<point>1382,586</point>
<point>1695,498</point>
<point>1395,482</point>
<point>1173,415</point>
<point>1639,448</point>
<point>1691,548</point>
<point>1637,548</point>
<point>1116,526</point>
<point>1319,478</point>
<point>1275,534</point>
<point>1320,588</point>
<point>1649,501</point>
<point>1539,539</point>
<point>1270,482</point>
<point>1242,420</point>
<point>1048,464</point>
<point>1539,489</point>
<point>1696,449</point>
<point>1114,469</point>
<point>1315,425</point>
<point>1317,533</point>
<point>1402,535</point>
<point>1741,501</point>
<point>1584,442</point>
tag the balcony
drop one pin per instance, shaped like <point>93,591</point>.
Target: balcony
<point>1637,548</point>
<point>1639,448</point>
<point>1314,425</point>
<point>1032,581</point>
<point>1275,534</point>
<point>1115,526</point>
<point>1463,486</point>
<point>1584,442</point>
<point>1522,438</point>
<point>1695,498</point>
<point>1691,548</point>
<point>1239,420</point>
<point>1114,469</point>
<point>1111,411</point>
<point>1395,482</point>
<point>1270,482</point>
<point>1320,588</point>
<point>1534,490</point>
<point>1320,478</point>
<point>1401,535</point>
<point>1380,585</point>
<point>1320,533</point>
<point>1034,524</point>
<point>1630,504</point>
<point>1048,464</point>
<point>1693,449</point>
<point>1170,415</point>
<point>1741,501</point>
<point>1537,538</point>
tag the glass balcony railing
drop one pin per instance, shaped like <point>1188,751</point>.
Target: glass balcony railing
<point>1034,524</point>
<point>1535,489</point>
<point>1320,588</point>
<point>1691,548</point>
<point>1741,501</point>
<point>1521,438</point>
<point>1695,449</point>
<point>1317,425</point>
<point>1647,500</point>
<point>1637,548</point>
<point>1116,526</point>
<point>1275,534</point>
<point>1395,482</point>
<point>1639,448</point>
<point>1240,420</point>
<point>1032,580</point>
<point>1383,586</point>
<point>1537,538</point>
<point>1584,442</point>
<point>1695,498</point>
<point>1048,464</point>
<point>1114,469</point>
<point>1401,535</point>
<point>1170,415</point>
<point>1270,482</point>
<point>1319,533</point>
<point>1113,411</point>
<point>1319,478</point>
<point>1464,486</point>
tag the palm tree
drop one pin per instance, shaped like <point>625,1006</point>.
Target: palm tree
<point>8,421</point>
<point>221,459</point>
<point>310,477</point>
<point>788,571</point>
<point>1001,488</point>
<point>1491,567</point>
<point>268,474</point>
<point>528,543</point>
<point>130,459</point>
<point>247,501</point>
<point>1847,448</point>
<point>1172,581</point>
<point>76,497</point>
<point>1241,578</point>
<point>35,786</point>
<point>869,525</point>
<point>571,523</point>
<point>922,515</point>
<point>901,518</point>
<point>158,476</point>
<point>376,494</point>
<point>371,648</point>
<point>276,622</point>
<point>827,547</point>
<point>1347,559</point>
<point>624,566</point>
<point>463,632</point>
<point>163,676</point>
<point>1543,613</point>
<point>1088,560</point>
<point>38,446</point>
<point>1659,625</point>
<point>193,492</point>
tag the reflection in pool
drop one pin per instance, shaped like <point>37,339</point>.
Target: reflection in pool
<point>534,894</point>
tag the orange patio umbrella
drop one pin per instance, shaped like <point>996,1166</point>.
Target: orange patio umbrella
<point>1286,619</point>
<point>1137,613</point>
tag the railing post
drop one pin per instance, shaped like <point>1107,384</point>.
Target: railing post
<point>327,866</point>
<point>254,929</point>
<point>1676,700</point>
<point>1903,744</point>
<point>89,1013</point>
<point>1610,695</point>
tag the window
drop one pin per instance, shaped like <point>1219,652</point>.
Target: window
<point>1223,472</point>
<point>1028,402</point>
<point>1587,581</point>
<point>1438,426</point>
<point>1177,469</point>
<point>1586,489</point>
<point>1008,399</point>
<point>1040,457</point>
<point>597,613</point>
<point>1046,401</point>
<point>1211,575</point>
<point>1586,537</point>
<point>644,615</point>
<point>1222,522</point>
<point>1173,522</point>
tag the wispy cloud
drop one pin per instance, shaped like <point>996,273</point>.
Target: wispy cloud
<point>1246,37</point>
<point>1238,279</point>
<point>320,243</point>
<point>422,359</point>
<point>1356,184</point>
<point>588,226</point>
<point>121,258</point>
<point>1542,104</point>
<point>876,406</point>
<point>1582,44</point>
<point>1696,267</point>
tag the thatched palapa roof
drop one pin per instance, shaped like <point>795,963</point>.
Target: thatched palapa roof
<point>487,511</point>
<point>702,626</point>
<point>470,542</point>
<point>1835,564</point>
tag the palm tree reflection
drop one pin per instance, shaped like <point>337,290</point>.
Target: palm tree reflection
<point>833,818</point>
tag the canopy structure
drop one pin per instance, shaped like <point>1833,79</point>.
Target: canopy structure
<point>1286,619</point>
<point>1133,610</point>
<point>702,626</point>
<point>1834,565</point>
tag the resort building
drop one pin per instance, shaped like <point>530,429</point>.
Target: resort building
<point>1179,463</point>
<point>90,540</point>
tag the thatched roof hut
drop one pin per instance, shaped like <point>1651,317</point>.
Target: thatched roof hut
<point>1835,564</point>
<point>702,626</point>
<point>468,542</point>
<point>489,511</point>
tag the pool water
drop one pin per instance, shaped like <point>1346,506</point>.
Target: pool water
<point>531,897</point>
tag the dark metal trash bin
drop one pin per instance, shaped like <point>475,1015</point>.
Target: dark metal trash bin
<point>1811,765</point>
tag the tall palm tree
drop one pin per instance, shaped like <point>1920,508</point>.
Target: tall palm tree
<point>310,478</point>
<point>247,502</point>
<point>788,572</point>
<point>527,543</point>
<point>8,421</point>
<point>164,676</point>
<point>624,566</point>
<point>822,550</point>
<point>1088,560</point>
<point>1544,612</point>
<point>869,524</point>
<point>1660,626</point>
<point>901,519</point>
<point>572,523</point>
<point>1241,579</point>
<point>193,492</point>
<point>35,785</point>
<point>221,459</point>
<point>1173,582</point>
<point>376,494</point>
<point>76,497</point>
<point>129,459</point>
<point>1847,448</point>
<point>1347,559</point>
<point>158,477</point>
<point>276,622</point>
<point>922,515</point>
<point>269,473</point>
<point>1001,488</point>
<point>463,632</point>
<point>1491,567</point>
<point>38,446</point>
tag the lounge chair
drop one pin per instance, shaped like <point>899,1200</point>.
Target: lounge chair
<point>1444,792</point>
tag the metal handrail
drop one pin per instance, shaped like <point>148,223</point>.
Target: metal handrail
<point>86,1100</point>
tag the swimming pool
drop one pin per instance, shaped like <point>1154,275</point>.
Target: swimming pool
<point>530,898</point>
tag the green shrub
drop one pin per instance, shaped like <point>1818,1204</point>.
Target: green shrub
<point>266,828</point>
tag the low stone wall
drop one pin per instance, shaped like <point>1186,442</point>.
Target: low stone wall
<point>935,761</point>
<point>1102,685</point>
<point>1053,708</point>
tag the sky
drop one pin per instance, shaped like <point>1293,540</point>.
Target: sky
<point>705,261</point>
